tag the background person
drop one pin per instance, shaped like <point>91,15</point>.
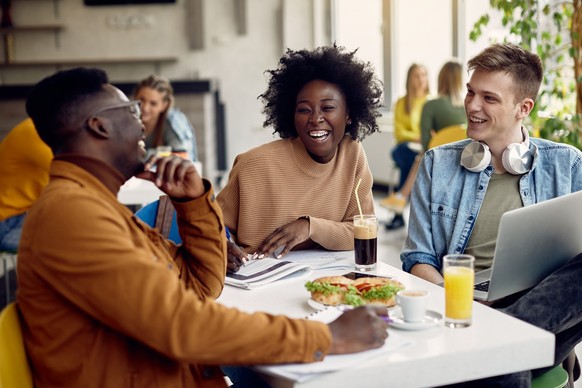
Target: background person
<point>407,112</point>
<point>445,110</point>
<point>107,301</point>
<point>299,191</point>
<point>24,168</point>
<point>456,205</point>
<point>164,124</point>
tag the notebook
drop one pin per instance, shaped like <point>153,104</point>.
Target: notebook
<point>532,242</point>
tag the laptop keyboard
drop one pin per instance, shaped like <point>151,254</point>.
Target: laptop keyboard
<point>483,286</point>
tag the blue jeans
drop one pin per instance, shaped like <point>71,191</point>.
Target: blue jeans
<point>555,305</point>
<point>404,157</point>
<point>10,231</point>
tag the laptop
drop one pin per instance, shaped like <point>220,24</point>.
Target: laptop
<point>533,242</point>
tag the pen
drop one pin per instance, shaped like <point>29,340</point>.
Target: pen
<point>231,239</point>
<point>228,235</point>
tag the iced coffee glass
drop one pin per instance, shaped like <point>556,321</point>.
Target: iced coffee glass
<point>365,241</point>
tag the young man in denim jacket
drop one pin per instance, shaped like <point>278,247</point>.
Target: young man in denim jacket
<point>463,188</point>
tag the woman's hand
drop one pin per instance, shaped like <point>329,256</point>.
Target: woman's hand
<point>287,236</point>
<point>175,176</point>
<point>236,256</point>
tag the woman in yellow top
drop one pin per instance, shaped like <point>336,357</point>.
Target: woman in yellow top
<point>407,112</point>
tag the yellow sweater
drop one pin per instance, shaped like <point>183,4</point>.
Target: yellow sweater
<point>24,168</point>
<point>407,125</point>
<point>278,182</point>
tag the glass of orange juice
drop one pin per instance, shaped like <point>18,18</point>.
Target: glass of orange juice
<point>459,277</point>
<point>163,150</point>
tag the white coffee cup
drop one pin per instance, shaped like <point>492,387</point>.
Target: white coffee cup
<point>413,304</point>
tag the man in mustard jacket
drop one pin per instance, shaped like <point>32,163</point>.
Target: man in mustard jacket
<point>105,300</point>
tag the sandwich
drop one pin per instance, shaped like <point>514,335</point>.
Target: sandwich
<point>336,290</point>
<point>378,290</point>
<point>330,290</point>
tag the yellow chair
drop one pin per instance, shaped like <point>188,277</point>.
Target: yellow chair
<point>14,368</point>
<point>447,135</point>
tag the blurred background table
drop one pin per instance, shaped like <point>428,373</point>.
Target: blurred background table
<point>139,192</point>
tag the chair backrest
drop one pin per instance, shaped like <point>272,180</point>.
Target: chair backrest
<point>14,368</point>
<point>447,135</point>
<point>161,215</point>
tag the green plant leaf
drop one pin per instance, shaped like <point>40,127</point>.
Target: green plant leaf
<point>546,27</point>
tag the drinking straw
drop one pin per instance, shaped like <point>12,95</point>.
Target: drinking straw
<point>357,198</point>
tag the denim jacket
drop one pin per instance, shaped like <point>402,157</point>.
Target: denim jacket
<point>447,197</point>
<point>180,127</point>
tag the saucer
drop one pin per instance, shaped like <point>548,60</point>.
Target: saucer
<point>431,319</point>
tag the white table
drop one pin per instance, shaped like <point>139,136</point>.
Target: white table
<point>494,344</point>
<point>141,192</point>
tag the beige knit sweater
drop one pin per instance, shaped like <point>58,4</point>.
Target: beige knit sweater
<point>278,182</point>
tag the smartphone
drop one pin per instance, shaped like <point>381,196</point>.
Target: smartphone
<point>357,275</point>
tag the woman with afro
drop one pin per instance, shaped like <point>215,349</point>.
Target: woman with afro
<point>298,192</point>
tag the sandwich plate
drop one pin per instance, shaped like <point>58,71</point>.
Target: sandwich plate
<point>320,306</point>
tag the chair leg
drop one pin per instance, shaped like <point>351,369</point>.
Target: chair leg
<point>572,367</point>
<point>7,259</point>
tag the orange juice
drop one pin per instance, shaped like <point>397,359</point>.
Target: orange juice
<point>459,283</point>
<point>163,151</point>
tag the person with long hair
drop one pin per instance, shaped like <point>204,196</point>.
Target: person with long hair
<point>407,112</point>
<point>164,124</point>
<point>445,110</point>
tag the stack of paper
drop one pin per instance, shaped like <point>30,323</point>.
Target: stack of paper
<point>304,372</point>
<point>257,273</point>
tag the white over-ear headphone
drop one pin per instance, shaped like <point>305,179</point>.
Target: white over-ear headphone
<point>517,158</point>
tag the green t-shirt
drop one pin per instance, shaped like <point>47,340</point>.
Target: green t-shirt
<point>438,114</point>
<point>502,195</point>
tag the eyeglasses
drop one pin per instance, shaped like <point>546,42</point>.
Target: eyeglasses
<point>133,106</point>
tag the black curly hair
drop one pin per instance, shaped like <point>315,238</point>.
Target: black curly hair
<point>356,79</point>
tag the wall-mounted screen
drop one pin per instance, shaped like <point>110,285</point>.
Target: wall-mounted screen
<point>125,2</point>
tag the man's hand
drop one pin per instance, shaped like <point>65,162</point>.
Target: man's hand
<point>359,329</point>
<point>287,236</point>
<point>236,256</point>
<point>175,176</point>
